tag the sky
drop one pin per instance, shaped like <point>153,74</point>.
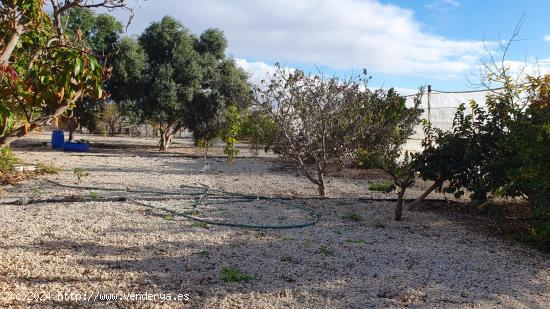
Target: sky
<point>402,43</point>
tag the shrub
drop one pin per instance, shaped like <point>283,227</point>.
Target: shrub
<point>7,159</point>
<point>259,130</point>
<point>231,132</point>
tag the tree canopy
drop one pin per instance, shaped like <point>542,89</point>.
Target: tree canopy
<point>187,83</point>
<point>42,74</point>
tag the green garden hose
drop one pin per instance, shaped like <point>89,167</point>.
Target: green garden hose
<point>205,194</point>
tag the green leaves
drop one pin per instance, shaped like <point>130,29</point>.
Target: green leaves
<point>78,67</point>
<point>7,119</point>
<point>230,132</point>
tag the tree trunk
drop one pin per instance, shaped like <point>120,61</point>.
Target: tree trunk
<point>399,206</point>
<point>72,125</point>
<point>165,140</point>
<point>322,190</point>
<point>321,185</point>
<point>111,129</point>
<point>419,200</point>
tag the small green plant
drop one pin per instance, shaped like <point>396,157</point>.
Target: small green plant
<point>382,186</point>
<point>326,250</point>
<point>203,253</point>
<point>232,274</point>
<point>378,224</point>
<point>7,160</point>
<point>358,241</point>
<point>200,224</point>
<point>259,130</point>
<point>48,168</point>
<point>203,144</point>
<point>286,258</point>
<point>168,217</point>
<point>231,133</point>
<point>80,174</point>
<point>94,195</point>
<point>36,192</point>
<point>352,216</point>
<point>287,238</point>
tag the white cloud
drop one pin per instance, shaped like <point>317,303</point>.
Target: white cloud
<point>257,71</point>
<point>546,38</point>
<point>442,4</point>
<point>338,33</point>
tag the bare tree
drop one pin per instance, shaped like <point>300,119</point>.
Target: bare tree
<point>320,121</point>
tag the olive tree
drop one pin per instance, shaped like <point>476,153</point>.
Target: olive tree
<point>188,82</point>
<point>172,77</point>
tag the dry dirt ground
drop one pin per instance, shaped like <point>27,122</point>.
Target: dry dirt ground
<point>78,253</point>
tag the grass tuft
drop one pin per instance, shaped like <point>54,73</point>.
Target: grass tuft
<point>286,258</point>
<point>200,224</point>
<point>48,168</point>
<point>358,241</point>
<point>352,216</point>
<point>378,224</point>
<point>326,250</point>
<point>382,186</point>
<point>231,274</point>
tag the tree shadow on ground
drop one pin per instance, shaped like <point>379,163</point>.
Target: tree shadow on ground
<point>334,263</point>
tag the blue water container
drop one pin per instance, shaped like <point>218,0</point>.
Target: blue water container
<point>76,147</point>
<point>58,139</point>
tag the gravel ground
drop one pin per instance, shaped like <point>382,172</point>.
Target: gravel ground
<point>354,257</point>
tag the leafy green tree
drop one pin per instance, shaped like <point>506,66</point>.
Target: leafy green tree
<point>213,42</point>
<point>393,122</point>
<point>173,76</point>
<point>188,81</point>
<point>128,65</point>
<point>224,85</point>
<point>99,33</point>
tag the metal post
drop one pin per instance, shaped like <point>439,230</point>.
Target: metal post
<point>429,104</point>
<point>429,111</point>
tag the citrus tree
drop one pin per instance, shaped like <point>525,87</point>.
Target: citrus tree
<point>42,74</point>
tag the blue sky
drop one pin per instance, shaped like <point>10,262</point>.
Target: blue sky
<point>403,43</point>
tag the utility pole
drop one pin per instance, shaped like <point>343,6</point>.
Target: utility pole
<point>429,111</point>
<point>429,104</point>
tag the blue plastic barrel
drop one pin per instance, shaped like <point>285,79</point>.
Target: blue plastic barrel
<point>77,147</point>
<point>58,139</point>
